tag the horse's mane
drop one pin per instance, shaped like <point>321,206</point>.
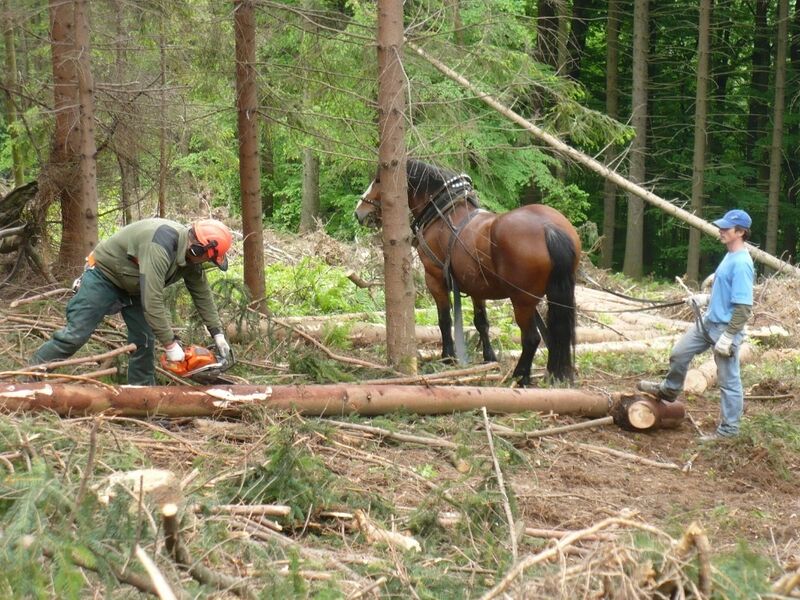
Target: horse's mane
<point>425,177</point>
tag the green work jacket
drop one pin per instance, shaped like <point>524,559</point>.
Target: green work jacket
<point>145,257</point>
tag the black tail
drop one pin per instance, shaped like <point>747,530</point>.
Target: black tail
<point>560,305</point>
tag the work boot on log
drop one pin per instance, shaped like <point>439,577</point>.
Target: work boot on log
<point>654,389</point>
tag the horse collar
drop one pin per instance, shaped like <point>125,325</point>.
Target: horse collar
<point>444,200</point>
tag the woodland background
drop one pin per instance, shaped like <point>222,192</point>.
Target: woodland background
<point>119,110</point>
<point>148,89</point>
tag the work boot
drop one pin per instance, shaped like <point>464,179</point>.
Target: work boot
<point>654,389</point>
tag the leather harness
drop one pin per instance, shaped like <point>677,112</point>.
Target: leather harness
<point>444,201</point>
<point>447,197</point>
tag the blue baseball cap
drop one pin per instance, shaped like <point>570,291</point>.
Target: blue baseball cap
<point>734,218</point>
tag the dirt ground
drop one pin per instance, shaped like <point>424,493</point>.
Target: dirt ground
<point>737,490</point>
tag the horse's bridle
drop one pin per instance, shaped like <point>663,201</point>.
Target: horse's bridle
<point>375,203</point>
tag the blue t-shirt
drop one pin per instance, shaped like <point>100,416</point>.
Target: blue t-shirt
<point>733,284</point>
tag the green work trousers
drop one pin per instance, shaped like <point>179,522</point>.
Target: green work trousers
<point>96,298</point>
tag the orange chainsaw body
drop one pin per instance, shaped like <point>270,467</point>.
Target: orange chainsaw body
<point>197,358</point>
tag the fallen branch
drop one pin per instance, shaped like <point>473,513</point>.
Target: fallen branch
<point>503,432</point>
<point>90,377</point>
<point>140,582</point>
<point>774,397</point>
<point>322,347</point>
<point>22,301</point>
<point>693,537</point>
<point>366,590</point>
<point>512,530</point>
<point>156,576</point>
<point>395,435</point>
<point>558,534</point>
<point>360,282</point>
<point>551,552</point>
<point>375,534</point>
<point>272,510</point>
<point>787,583</point>
<point>127,349</point>
<point>439,378</point>
<point>624,455</point>
<point>199,572</point>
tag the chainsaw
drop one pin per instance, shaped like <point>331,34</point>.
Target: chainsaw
<point>200,364</point>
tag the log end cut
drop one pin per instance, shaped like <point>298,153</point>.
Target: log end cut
<point>635,412</point>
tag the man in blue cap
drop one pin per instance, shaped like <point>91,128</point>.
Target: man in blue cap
<point>721,327</point>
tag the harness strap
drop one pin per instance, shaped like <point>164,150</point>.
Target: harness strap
<point>443,201</point>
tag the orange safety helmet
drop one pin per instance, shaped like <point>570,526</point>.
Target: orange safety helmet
<point>214,239</point>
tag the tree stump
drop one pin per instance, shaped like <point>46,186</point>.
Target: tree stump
<point>635,412</point>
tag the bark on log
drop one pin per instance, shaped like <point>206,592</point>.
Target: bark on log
<point>699,379</point>
<point>363,335</point>
<point>311,400</point>
<point>636,412</point>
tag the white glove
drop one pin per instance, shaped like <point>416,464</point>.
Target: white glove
<point>724,345</point>
<point>222,345</point>
<point>174,352</point>
<point>699,300</point>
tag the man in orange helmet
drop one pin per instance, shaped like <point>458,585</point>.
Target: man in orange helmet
<point>127,273</point>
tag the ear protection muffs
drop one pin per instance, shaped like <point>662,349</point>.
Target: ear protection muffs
<point>202,250</point>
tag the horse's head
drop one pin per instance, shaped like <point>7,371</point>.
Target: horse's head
<point>368,209</point>
<point>424,181</point>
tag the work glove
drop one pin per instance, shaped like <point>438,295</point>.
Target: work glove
<point>699,300</point>
<point>724,345</point>
<point>222,345</point>
<point>174,352</point>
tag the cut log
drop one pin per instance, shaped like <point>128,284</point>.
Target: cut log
<point>699,379</point>
<point>636,412</point>
<point>361,335</point>
<point>311,400</point>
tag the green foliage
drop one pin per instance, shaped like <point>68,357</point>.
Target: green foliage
<point>778,435</point>
<point>317,368</point>
<point>290,475</point>
<point>312,287</point>
<point>616,362</point>
<point>741,574</point>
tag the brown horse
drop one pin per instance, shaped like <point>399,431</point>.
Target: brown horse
<point>524,254</point>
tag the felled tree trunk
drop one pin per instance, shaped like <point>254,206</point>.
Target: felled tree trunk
<point>311,400</point>
<point>370,334</point>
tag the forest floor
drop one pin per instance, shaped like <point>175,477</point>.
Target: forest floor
<point>345,484</point>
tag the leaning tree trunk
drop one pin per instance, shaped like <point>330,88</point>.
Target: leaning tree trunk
<point>598,167</point>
